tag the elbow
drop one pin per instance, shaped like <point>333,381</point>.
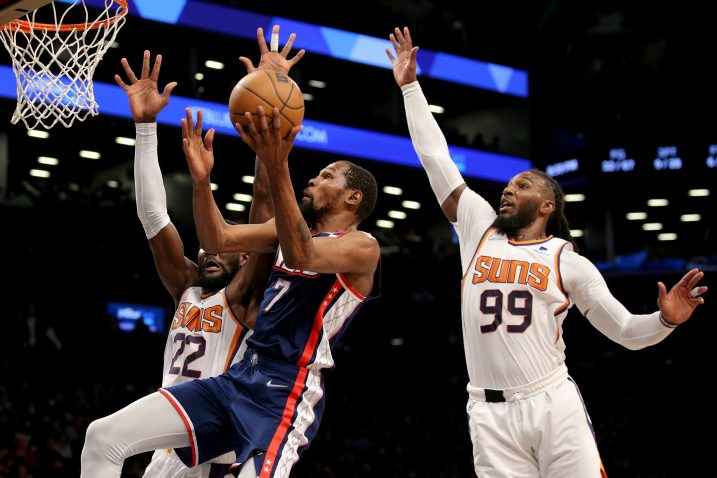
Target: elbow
<point>297,261</point>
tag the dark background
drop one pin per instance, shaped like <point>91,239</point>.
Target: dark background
<point>636,75</point>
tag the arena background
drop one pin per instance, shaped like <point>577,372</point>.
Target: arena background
<point>620,107</point>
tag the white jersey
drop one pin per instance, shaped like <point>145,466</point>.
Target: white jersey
<point>205,339</point>
<point>513,300</point>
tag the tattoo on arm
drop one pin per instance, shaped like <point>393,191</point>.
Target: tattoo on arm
<point>303,230</point>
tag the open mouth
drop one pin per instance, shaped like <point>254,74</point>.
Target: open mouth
<point>506,205</point>
<point>212,266</point>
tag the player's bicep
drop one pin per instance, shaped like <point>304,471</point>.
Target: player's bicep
<point>450,205</point>
<point>174,269</point>
<point>352,253</point>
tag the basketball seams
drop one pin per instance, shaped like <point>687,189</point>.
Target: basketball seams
<point>265,91</point>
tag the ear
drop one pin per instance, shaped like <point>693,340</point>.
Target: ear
<point>354,198</point>
<point>243,257</point>
<point>547,207</point>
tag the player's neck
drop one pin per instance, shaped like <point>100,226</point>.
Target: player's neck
<point>341,222</point>
<point>530,233</point>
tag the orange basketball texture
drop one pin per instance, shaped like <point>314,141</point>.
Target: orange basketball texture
<point>267,88</point>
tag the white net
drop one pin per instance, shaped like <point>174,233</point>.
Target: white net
<point>54,62</point>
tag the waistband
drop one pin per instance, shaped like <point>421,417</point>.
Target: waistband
<point>516,393</point>
<point>261,361</point>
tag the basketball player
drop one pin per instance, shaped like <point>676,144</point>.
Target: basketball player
<point>216,301</point>
<point>270,403</point>
<point>520,277</point>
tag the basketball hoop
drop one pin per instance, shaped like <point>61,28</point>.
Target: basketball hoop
<point>54,61</point>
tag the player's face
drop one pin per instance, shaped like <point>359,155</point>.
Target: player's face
<point>217,270</point>
<point>519,203</point>
<point>325,191</point>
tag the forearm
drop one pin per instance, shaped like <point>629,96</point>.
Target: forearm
<point>634,331</point>
<point>262,208</point>
<point>149,186</point>
<point>292,230</point>
<point>208,218</point>
<point>430,143</point>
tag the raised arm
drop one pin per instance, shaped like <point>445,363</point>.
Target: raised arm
<point>428,139</point>
<point>587,288</point>
<point>175,270</point>
<point>214,233</point>
<point>353,253</point>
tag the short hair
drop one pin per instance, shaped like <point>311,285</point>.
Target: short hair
<point>359,178</point>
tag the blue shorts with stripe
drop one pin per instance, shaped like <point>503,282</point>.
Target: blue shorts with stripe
<point>258,405</point>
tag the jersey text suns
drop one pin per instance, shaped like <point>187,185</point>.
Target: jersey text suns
<point>501,271</point>
<point>195,318</point>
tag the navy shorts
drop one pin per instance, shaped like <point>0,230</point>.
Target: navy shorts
<point>258,405</point>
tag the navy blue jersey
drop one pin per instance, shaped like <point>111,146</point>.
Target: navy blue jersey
<point>303,314</point>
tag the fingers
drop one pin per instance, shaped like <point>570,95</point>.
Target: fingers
<point>154,76</point>
<point>695,278</point>
<point>209,140</point>
<point>276,122</point>
<point>407,36</point>
<point>263,123</point>
<point>686,278</point>
<point>390,56</point>
<point>274,43</point>
<point>261,40</point>
<point>168,91</point>
<point>145,65</point>
<point>189,122</point>
<point>396,46</point>
<point>299,55</point>
<point>198,126</point>
<point>121,83</point>
<point>414,52</point>
<point>399,36</point>
<point>128,71</point>
<point>289,44</point>
<point>247,64</point>
<point>293,133</point>
<point>662,292</point>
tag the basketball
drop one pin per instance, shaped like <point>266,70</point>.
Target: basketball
<point>269,89</point>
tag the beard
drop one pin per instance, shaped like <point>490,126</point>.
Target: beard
<point>313,214</point>
<point>523,217</point>
<point>218,282</point>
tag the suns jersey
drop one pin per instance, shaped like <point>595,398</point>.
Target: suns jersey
<point>204,339</point>
<point>512,298</point>
<point>303,314</point>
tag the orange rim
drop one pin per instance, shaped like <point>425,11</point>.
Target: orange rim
<point>28,27</point>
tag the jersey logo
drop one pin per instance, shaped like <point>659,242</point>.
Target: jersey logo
<point>281,265</point>
<point>275,385</point>
<point>197,319</point>
<point>501,271</point>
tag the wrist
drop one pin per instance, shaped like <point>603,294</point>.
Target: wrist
<point>201,183</point>
<point>664,321</point>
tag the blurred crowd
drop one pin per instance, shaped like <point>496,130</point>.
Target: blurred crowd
<point>395,405</point>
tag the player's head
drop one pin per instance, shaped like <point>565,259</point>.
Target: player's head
<point>533,196</point>
<point>217,270</point>
<point>340,186</point>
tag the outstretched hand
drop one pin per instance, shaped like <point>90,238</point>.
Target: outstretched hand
<point>677,305</point>
<point>271,149</point>
<point>198,152</point>
<point>145,102</point>
<point>272,59</point>
<point>404,63</point>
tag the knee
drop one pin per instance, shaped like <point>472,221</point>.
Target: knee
<point>97,441</point>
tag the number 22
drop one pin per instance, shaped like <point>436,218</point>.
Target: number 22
<point>188,339</point>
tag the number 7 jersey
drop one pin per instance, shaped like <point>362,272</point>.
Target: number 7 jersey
<point>205,338</point>
<point>512,299</point>
<point>304,313</point>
